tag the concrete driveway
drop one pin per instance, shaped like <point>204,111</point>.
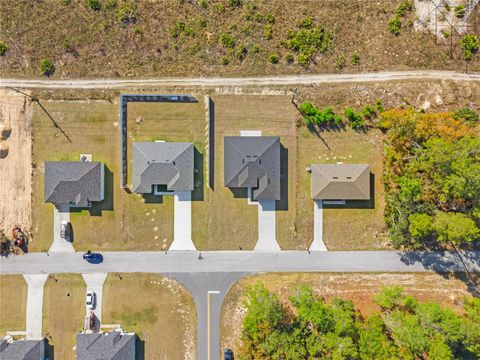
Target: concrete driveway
<point>267,240</point>
<point>60,213</point>
<point>182,221</point>
<point>95,283</point>
<point>318,244</point>
<point>36,284</point>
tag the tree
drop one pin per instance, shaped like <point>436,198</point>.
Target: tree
<point>374,343</point>
<point>391,298</point>
<point>420,225</point>
<point>455,227</point>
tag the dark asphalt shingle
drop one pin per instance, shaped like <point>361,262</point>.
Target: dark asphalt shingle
<point>106,346</point>
<point>22,350</point>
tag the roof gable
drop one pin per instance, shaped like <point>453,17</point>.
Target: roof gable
<point>253,161</point>
<point>106,346</point>
<point>162,163</point>
<point>340,182</point>
<point>74,182</point>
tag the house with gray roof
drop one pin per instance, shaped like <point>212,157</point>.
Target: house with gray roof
<point>74,183</point>
<point>114,345</point>
<point>253,162</point>
<point>22,349</point>
<point>159,165</point>
<point>340,181</point>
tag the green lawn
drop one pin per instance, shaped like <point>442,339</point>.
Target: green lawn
<point>63,312</point>
<point>164,316</point>
<point>13,301</point>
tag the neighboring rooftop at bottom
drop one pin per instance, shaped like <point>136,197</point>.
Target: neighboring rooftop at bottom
<point>22,349</point>
<point>115,345</point>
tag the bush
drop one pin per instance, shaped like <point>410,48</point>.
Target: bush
<point>47,67</point>
<point>93,4</point>
<point>394,25</point>
<point>404,7</point>
<point>268,31</point>
<point>203,4</point>
<point>379,106</point>
<point>314,116</point>
<point>225,60</point>
<point>235,3</point>
<point>470,45</point>
<point>340,62</point>
<point>356,58</point>
<point>368,112</point>
<point>270,19</point>
<point>241,52</point>
<point>127,13</point>
<point>3,47</point>
<point>273,58</point>
<point>354,119</point>
<point>255,49</point>
<point>307,23</point>
<point>455,227</point>
<point>227,41</point>
<point>468,115</point>
<point>459,11</point>
<point>304,60</point>
<point>289,58</point>
<point>420,226</point>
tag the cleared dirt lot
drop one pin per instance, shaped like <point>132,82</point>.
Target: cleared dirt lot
<point>359,288</point>
<point>15,160</point>
<point>63,312</point>
<point>13,302</point>
<point>163,316</point>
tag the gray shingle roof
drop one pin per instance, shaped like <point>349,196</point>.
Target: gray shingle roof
<point>22,350</point>
<point>162,163</point>
<point>76,182</point>
<point>253,161</point>
<point>106,346</point>
<point>340,182</point>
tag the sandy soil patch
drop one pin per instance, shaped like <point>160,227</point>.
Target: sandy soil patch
<point>15,160</point>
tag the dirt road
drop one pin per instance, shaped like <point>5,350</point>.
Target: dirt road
<point>243,81</point>
<point>15,160</point>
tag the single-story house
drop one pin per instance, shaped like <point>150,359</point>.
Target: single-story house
<point>22,349</point>
<point>74,183</point>
<point>162,166</point>
<point>114,345</point>
<point>253,162</point>
<point>340,181</point>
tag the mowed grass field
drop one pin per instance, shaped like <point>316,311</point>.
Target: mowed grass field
<point>221,219</point>
<point>63,312</point>
<point>13,302</point>
<point>163,316</point>
<point>122,221</point>
<point>359,288</point>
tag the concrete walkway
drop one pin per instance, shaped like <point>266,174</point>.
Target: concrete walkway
<point>318,244</point>
<point>95,283</point>
<point>35,283</point>
<point>60,213</point>
<point>267,240</point>
<point>182,221</point>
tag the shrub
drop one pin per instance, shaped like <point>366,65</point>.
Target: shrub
<point>3,47</point>
<point>420,226</point>
<point>227,41</point>
<point>394,25</point>
<point>273,58</point>
<point>255,49</point>
<point>289,58</point>
<point>404,7</point>
<point>459,11</point>
<point>455,227</point>
<point>110,4</point>
<point>235,2</point>
<point>93,4</point>
<point>379,106</point>
<point>356,58</point>
<point>203,4</point>
<point>315,116</point>
<point>304,60</point>
<point>368,112</point>
<point>127,13</point>
<point>241,52</point>
<point>307,23</point>
<point>47,67</point>
<point>468,115</point>
<point>340,62</point>
<point>225,60</point>
<point>354,119</point>
<point>268,31</point>
<point>470,45</point>
<point>178,28</point>
<point>270,19</point>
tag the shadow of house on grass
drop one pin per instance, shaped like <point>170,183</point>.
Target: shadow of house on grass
<point>139,349</point>
<point>357,204</point>
<point>440,262</point>
<point>282,204</point>
<point>198,176</point>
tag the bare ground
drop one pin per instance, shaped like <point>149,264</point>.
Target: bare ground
<point>15,160</point>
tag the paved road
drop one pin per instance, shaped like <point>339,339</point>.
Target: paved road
<point>241,261</point>
<point>240,81</point>
<point>209,277</point>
